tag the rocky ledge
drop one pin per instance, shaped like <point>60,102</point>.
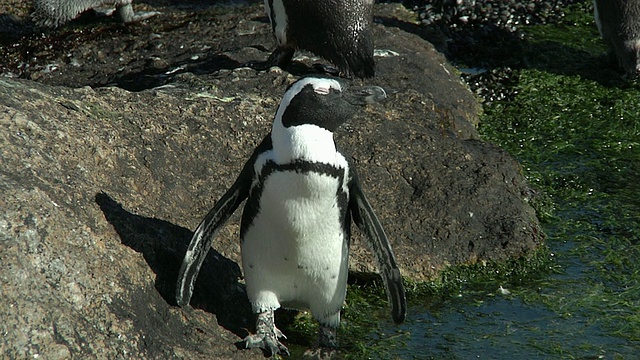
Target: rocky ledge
<point>102,186</point>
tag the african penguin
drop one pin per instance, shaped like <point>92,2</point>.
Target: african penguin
<point>54,13</point>
<point>302,194</point>
<point>619,25</point>
<point>337,30</point>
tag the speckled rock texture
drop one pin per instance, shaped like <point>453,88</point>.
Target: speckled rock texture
<point>101,186</point>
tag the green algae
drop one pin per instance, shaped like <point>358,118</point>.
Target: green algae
<point>574,125</point>
<point>577,135</point>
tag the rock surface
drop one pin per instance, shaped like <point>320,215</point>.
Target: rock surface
<point>102,186</point>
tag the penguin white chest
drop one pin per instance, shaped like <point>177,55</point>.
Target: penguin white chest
<point>295,251</point>
<point>279,20</point>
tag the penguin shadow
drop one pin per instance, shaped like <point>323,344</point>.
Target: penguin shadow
<point>150,77</point>
<point>433,35</point>
<point>210,64</point>
<point>163,245</point>
<point>479,47</point>
<point>12,28</point>
<point>484,48</point>
<point>242,54</point>
<point>556,58</point>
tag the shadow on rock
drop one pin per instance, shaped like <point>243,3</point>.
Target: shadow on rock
<point>163,246</point>
<point>151,77</point>
<point>435,36</point>
<point>13,27</point>
<point>477,48</point>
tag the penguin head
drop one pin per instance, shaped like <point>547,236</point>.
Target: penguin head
<point>311,110</point>
<point>324,101</point>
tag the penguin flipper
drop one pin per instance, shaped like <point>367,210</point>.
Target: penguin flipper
<point>208,228</point>
<point>203,236</point>
<point>367,222</point>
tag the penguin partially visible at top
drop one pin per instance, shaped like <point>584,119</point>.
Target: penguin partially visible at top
<point>619,24</point>
<point>302,194</point>
<point>337,30</point>
<point>54,13</point>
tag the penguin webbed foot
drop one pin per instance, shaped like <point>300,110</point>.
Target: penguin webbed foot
<point>127,15</point>
<point>321,353</point>
<point>267,342</point>
<point>144,15</point>
<point>266,336</point>
<point>327,345</point>
<point>280,57</point>
<point>327,69</point>
<point>342,71</point>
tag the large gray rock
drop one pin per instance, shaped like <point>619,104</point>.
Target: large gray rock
<point>101,188</point>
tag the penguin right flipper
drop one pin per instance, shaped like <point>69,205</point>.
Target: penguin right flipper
<point>367,222</point>
<point>208,228</point>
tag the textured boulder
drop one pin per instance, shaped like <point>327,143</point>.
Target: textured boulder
<point>102,187</point>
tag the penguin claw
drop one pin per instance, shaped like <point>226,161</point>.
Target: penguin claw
<point>140,16</point>
<point>266,336</point>
<point>279,334</point>
<point>267,342</point>
<point>127,17</point>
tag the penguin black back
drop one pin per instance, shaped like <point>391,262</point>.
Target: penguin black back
<point>337,30</point>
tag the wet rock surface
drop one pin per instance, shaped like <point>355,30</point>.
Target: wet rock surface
<point>116,140</point>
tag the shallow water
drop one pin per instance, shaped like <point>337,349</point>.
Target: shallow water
<point>575,128</point>
<point>506,329</point>
<point>565,315</point>
<point>577,135</point>
<point>587,309</point>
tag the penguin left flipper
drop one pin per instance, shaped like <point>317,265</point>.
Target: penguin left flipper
<point>208,228</point>
<point>367,222</point>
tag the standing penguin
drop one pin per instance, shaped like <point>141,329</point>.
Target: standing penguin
<point>337,30</point>
<point>619,24</point>
<point>302,194</point>
<point>54,13</point>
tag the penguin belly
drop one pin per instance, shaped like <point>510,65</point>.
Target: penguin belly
<point>295,251</point>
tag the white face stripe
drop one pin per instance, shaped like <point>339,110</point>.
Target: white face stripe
<point>306,141</point>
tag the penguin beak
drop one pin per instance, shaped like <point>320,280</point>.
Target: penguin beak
<point>363,95</point>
